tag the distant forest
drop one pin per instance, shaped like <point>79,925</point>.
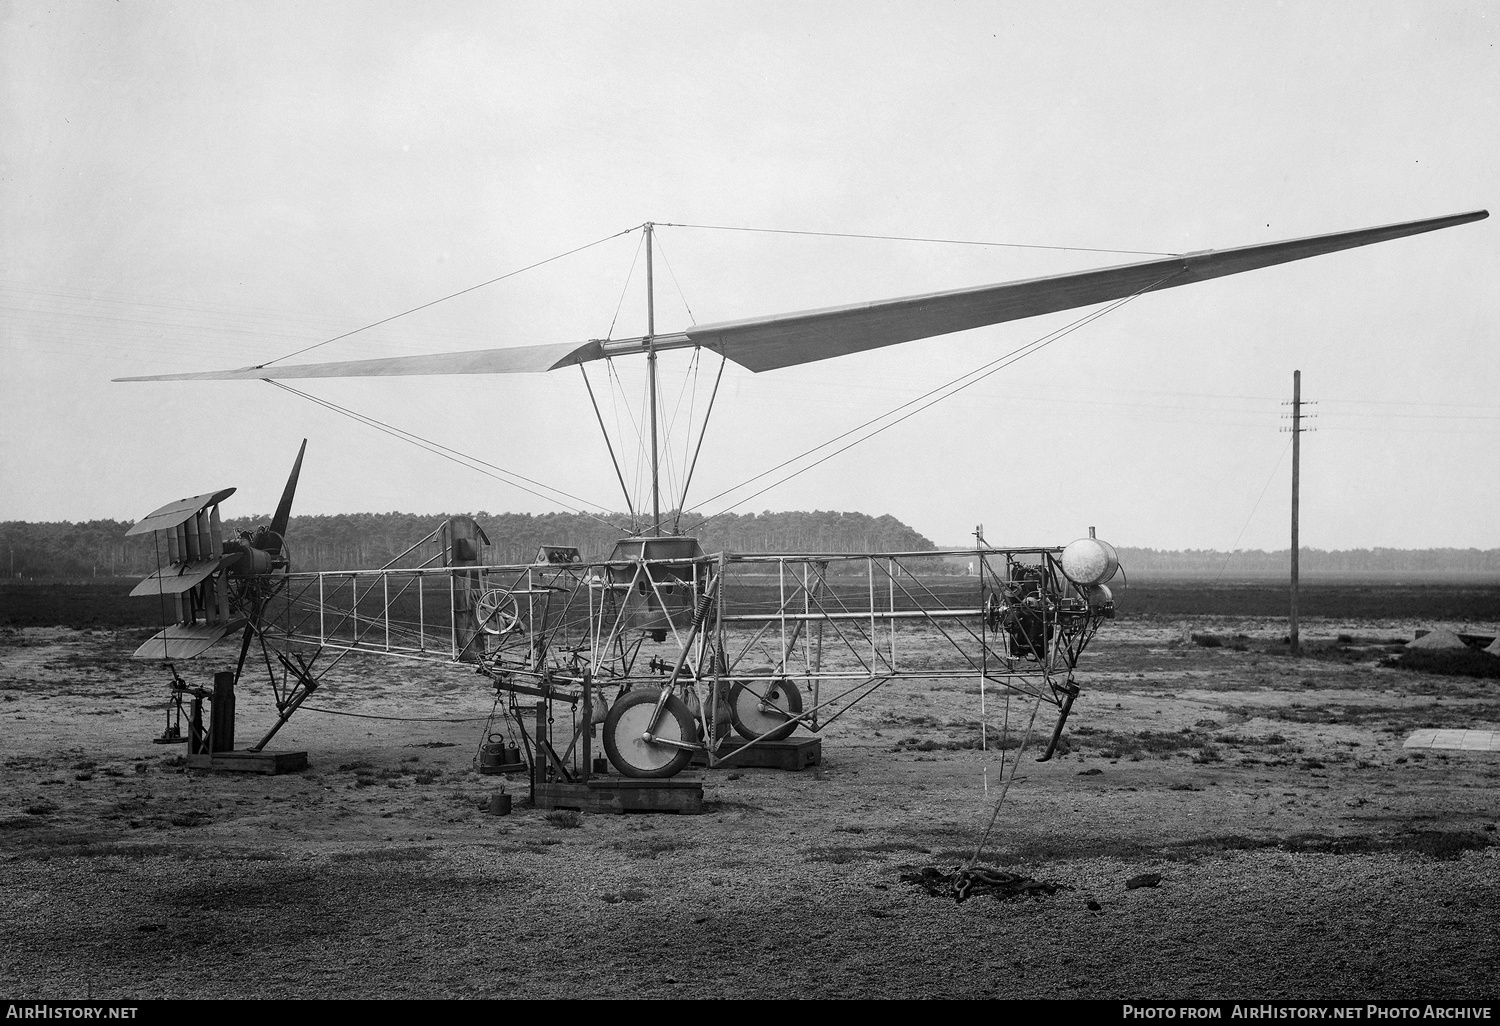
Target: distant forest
<point>1337,562</point>
<point>351,541</point>
<point>357,541</point>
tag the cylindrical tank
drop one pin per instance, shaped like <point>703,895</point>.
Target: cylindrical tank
<point>1089,561</point>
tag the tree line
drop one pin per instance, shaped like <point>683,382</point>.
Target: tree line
<point>1352,562</point>
<point>355,541</point>
<point>358,541</point>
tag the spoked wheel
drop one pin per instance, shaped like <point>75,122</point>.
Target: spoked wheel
<point>629,720</point>
<point>496,612</point>
<point>764,705</point>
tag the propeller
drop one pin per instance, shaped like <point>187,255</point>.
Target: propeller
<point>265,546</point>
<point>284,508</point>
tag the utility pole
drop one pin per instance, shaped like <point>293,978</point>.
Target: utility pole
<point>1297,429</point>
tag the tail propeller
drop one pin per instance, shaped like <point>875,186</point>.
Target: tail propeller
<point>265,547</point>
<point>284,508</point>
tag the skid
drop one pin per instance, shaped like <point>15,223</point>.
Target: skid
<point>269,763</point>
<point>795,753</point>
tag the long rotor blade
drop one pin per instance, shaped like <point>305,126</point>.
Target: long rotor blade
<point>766,343</point>
<point>785,340</point>
<point>517,360</point>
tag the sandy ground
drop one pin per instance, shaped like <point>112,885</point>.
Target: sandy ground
<point>1302,852</point>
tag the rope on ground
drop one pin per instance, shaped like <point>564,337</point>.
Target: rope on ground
<point>1004,789</point>
<point>398,719</point>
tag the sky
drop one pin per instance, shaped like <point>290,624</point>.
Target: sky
<point>210,185</point>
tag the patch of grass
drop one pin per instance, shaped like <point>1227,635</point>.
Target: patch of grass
<point>1117,745</point>
<point>564,819</point>
<point>381,855</point>
<point>842,854</point>
<point>1464,662</point>
<point>1443,845</point>
<point>651,847</point>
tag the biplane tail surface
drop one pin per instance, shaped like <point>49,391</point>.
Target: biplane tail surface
<point>202,574</point>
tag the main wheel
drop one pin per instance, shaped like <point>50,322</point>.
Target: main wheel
<point>629,719</point>
<point>761,706</point>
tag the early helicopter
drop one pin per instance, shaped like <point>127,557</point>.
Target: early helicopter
<point>670,650</point>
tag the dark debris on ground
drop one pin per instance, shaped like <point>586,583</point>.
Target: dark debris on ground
<point>962,884</point>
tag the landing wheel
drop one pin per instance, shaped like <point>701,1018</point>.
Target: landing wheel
<point>760,706</point>
<point>630,718</point>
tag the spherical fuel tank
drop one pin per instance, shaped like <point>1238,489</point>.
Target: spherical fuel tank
<point>1089,561</point>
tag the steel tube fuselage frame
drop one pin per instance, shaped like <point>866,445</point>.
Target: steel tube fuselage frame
<point>825,622</point>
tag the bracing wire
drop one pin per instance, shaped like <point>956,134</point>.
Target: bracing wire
<point>905,238</point>
<point>630,506</point>
<point>702,433</point>
<point>626,288</point>
<point>691,415</point>
<point>948,389</point>
<point>673,275</point>
<point>616,394</point>
<point>444,299</point>
<point>688,389</point>
<point>1251,517</point>
<point>452,455</point>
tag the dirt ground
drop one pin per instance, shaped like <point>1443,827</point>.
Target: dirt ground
<point>1302,853</point>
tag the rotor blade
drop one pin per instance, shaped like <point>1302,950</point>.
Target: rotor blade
<point>518,360</point>
<point>284,508</point>
<point>784,340</point>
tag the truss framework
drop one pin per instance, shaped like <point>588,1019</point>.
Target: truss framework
<point>835,627</point>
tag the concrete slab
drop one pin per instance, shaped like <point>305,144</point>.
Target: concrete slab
<point>1455,740</point>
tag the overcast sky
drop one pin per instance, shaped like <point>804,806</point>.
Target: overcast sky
<point>211,185</point>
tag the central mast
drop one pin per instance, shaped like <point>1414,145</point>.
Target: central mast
<point>651,374</point>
